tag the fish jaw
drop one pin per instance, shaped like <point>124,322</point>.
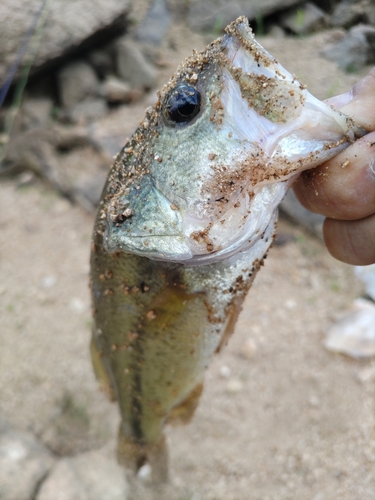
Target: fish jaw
<point>204,190</point>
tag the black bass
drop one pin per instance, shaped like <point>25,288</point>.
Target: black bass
<point>186,217</point>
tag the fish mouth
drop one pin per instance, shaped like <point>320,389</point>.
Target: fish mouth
<point>167,234</point>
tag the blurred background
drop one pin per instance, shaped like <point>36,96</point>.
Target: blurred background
<point>288,407</point>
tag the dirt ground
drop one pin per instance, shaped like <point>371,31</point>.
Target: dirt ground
<point>280,417</point>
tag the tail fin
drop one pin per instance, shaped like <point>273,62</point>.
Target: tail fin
<point>133,455</point>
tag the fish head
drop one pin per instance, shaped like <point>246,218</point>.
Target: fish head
<point>202,176</point>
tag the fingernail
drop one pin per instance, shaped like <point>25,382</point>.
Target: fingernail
<point>341,100</point>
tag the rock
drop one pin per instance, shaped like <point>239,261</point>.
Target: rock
<point>155,24</point>
<point>249,349</point>
<point>291,207</point>
<point>24,462</point>
<point>211,15</point>
<point>88,193</point>
<point>225,371</point>
<point>367,275</point>
<point>76,81</point>
<point>65,28</point>
<point>354,333</point>
<point>347,14</point>
<point>102,61</point>
<point>89,476</point>
<point>354,50</point>
<point>326,5</point>
<point>88,110</point>
<point>133,67</point>
<point>36,112</point>
<point>234,386</point>
<point>117,91</point>
<point>276,32</point>
<point>304,19</point>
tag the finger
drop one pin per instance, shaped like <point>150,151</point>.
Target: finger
<point>343,187</point>
<point>352,242</point>
<point>359,102</point>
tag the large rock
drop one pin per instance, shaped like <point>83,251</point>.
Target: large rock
<point>305,19</point>
<point>89,476</point>
<point>347,14</point>
<point>216,14</point>
<point>68,25</point>
<point>354,50</point>
<point>24,462</point>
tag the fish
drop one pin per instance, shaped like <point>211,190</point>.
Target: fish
<point>186,218</point>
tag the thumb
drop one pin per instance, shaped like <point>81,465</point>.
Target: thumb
<point>359,102</point>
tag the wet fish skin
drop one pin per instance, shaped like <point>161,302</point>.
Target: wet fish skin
<point>157,326</point>
<point>186,218</point>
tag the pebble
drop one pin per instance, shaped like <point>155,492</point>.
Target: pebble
<point>367,275</point>
<point>234,386</point>
<point>115,90</point>
<point>24,462</point>
<point>48,281</point>
<point>225,372</point>
<point>133,67</point>
<point>89,476</point>
<point>144,473</point>
<point>249,349</point>
<point>354,50</point>
<point>366,374</point>
<point>290,304</point>
<point>89,110</point>
<point>354,333</point>
<point>155,25</point>
<point>76,81</point>
<point>77,305</point>
<point>304,19</point>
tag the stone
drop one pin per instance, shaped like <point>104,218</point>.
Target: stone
<point>117,91</point>
<point>133,67</point>
<point>88,193</point>
<point>276,32</point>
<point>76,81</point>
<point>354,50</point>
<point>36,112</point>
<point>353,333</point>
<point>304,19</point>
<point>24,462</point>
<point>367,275</point>
<point>249,349</point>
<point>326,5</point>
<point>102,61</point>
<point>65,29</point>
<point>89,476</point>
<point>214,15</point>
<point>89,110</point>
<point>347,14</point>
<point>155,24</point>
<point>234,386</point>
<point>292,208</point>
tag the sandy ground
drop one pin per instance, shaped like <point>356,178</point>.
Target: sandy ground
<point>280,417</point>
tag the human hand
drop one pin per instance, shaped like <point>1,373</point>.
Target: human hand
<point>343,188</point>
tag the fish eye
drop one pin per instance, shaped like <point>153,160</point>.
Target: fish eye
<point>183,104</point>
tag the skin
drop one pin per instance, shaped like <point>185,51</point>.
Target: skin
<point>343,188</point>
